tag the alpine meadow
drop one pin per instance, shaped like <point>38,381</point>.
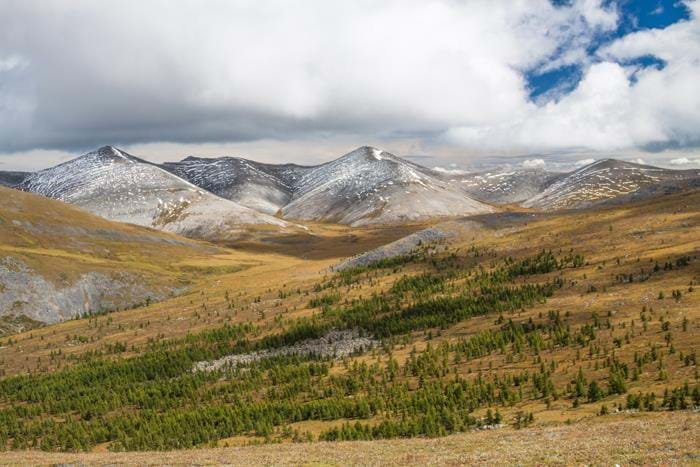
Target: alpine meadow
<point>196,267</point>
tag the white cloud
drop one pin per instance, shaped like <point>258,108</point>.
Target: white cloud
<point>533,163</point>
<point>450,171</point>
<point>11,62</point>
<point>639,160</point>
<point>610,109</point>
<point>404,71</point>
<point>583,162</point>
<point>684,161</point>
<point>138,72</point>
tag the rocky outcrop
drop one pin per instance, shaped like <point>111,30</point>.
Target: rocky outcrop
<point>23,291</point>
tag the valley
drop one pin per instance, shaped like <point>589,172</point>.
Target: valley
<point>521,320</point>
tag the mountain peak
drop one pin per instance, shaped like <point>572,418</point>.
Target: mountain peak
<point>110,153</point>
<point>369,153</point>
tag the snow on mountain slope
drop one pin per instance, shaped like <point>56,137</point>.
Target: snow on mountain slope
<point>263,187</point>
<point>115,185</point>
<point>603,181</point>
<point>12,178</point>
<point>506,186</point>
<point>370,186</point>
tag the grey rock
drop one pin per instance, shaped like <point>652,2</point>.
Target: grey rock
<point>25,292</point>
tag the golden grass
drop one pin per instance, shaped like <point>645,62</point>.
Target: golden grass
<point>644,439</point>
<point>253,272</point>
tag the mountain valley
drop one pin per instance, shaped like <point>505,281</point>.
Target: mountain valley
<point>381,301</point>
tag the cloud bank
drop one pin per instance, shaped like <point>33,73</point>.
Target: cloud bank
<point>78,74</point>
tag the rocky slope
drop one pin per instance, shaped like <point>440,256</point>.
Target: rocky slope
<point>263,187</point>
<point>58,262</point>
<point>606,180</point>
<point>118,186</point>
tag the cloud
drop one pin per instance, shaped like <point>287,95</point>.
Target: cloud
<point>76,74</point>
<point>11,62</point>
<point>615,106</point>
<point>450,171</point>
<point>584,162</point>
<point>684,161</point>
<point>639,160</point>
<point>132,72</point>
<point>533,163</point>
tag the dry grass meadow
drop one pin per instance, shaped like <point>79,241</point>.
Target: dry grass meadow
<point>637,439</point>
<point>249,281</point>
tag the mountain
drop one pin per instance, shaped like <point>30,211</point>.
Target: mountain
<point>58,262</point>
<point>118,186</point>
<point>12,178</point>
<point>370,186</point>
<point>366,186</point>
<point>607,180</point>
<point>506,186</point>
<point>263,187</point>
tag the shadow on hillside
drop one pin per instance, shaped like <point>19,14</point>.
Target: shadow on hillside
<point>324,242</point>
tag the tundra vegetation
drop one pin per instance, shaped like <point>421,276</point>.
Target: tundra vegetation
<point>515,328</point>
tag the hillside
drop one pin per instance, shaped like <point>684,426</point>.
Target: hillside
<point>118,186</point>
<point>12,178</point>
<point>506,186</point>
<point>607,180</point>
<point>667,438</point>
<point>520,320</point>
<point>58,262</point>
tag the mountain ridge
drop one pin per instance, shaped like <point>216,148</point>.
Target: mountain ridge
<point>366,186</point>
<point>118,186</point>
<point>602,181</point>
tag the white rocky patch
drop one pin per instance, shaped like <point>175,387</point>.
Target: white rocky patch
<point>335,344</point>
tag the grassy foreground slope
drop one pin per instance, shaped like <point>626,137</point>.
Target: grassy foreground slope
<point>52,252</point>
<point>640,439</point>
<point>515,320</point>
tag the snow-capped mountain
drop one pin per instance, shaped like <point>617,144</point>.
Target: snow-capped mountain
<point>263,187</point>
<point>603,181</point>
<point>506,186</point>
<point>12,178</point>
<point>370,186</point>
<point>216,198</point>
<point>118,186</point>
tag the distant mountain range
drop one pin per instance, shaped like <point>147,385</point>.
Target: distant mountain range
<point>508,185</point>
<point>366,186</point>
<point>219,198</point>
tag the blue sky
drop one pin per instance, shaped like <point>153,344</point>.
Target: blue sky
<point>634,15</point>
<point>308,80</point>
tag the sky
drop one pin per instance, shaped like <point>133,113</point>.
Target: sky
<point>454,83</point>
